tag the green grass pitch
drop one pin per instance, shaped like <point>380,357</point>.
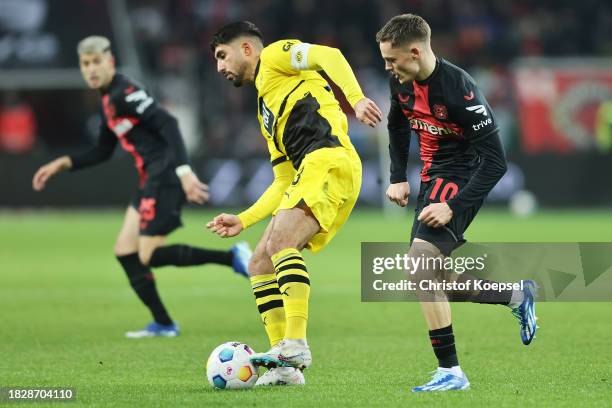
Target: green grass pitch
<point>65,305</point>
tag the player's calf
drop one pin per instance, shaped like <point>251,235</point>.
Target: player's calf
<point>142,282</point>
<point>270,306</point>
<point>291,230</point>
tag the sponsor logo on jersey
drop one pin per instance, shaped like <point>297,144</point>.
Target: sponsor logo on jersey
<point>478,109</point>
<point>440,111</point>
<point>482,124</point>
<point>142,97</point>
<point>418,124</point>
<point>121,126</point>
<point>287,46</point>
<point>267,117</point>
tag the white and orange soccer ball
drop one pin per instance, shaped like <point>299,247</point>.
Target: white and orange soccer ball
<point>229,366</point>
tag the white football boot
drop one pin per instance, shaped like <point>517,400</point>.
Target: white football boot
<point>281,376</point>
<point>287,353</point>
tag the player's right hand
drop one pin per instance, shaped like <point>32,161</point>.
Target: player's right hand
<point>367,112</point>
<point>49,170</point>
<point>225,225</point>
<point>398,193</point>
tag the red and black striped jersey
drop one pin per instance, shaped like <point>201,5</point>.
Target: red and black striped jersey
<point>131,117</point>
<point>458,135</point>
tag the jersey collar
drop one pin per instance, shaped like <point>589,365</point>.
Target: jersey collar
<point>256,71</point>
<point>432,75</point>
<point>110,84</point>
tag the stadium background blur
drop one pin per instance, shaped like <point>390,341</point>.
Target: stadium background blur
<point>544,66</point>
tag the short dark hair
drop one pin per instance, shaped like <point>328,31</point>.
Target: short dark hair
<point>403,29</point>
<point>231,31</point>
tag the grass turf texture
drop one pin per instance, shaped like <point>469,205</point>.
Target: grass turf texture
<point>66,304</point>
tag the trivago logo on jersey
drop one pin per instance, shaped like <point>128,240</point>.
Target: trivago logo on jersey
<point>482,124</point>
<point>480,109</point>
<point>418,124</point>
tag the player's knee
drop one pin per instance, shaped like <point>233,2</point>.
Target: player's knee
<point>429,259</point>
<point>428,264</point>
<point>276,244</point>
<point>144,256</point>
<point>123,247</point>
<point>260,264</point>
<point>423,248</point>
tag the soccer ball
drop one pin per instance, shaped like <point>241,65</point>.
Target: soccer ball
<point>229,366</point>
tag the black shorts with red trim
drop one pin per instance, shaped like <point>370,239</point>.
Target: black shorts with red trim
<point>159,206</point>
<point>450,236</point>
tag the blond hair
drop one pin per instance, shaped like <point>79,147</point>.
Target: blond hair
<point>93,44</point>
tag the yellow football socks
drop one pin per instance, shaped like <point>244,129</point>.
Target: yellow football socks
<point>270,304</point>
<point>294,285</point>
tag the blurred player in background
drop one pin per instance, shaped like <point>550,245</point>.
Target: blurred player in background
<point>317,177</point>
<point>462,158</point>
<point>151,135</point>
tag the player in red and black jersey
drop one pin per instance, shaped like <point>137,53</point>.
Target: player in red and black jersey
<point>459,142</point>
<point>133,119</point>
<point>463,159</point>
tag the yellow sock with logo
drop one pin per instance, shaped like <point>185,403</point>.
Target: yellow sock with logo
<point>294,285</point>
<point>270,304</point>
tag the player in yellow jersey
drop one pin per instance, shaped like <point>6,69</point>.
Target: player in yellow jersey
<point>317,177</point>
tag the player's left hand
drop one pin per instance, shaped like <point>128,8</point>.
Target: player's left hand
<point>436,215</point>
<point>195,190</point>
<point>367,112</point>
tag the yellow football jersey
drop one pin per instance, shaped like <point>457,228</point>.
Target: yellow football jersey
<point>299,114</point>
<point>297,109</point>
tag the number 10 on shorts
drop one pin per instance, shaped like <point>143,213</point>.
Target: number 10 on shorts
<point>441,193</point>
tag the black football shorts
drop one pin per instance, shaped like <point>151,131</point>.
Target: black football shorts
<point>159,206</point>
<point>450,236</point>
